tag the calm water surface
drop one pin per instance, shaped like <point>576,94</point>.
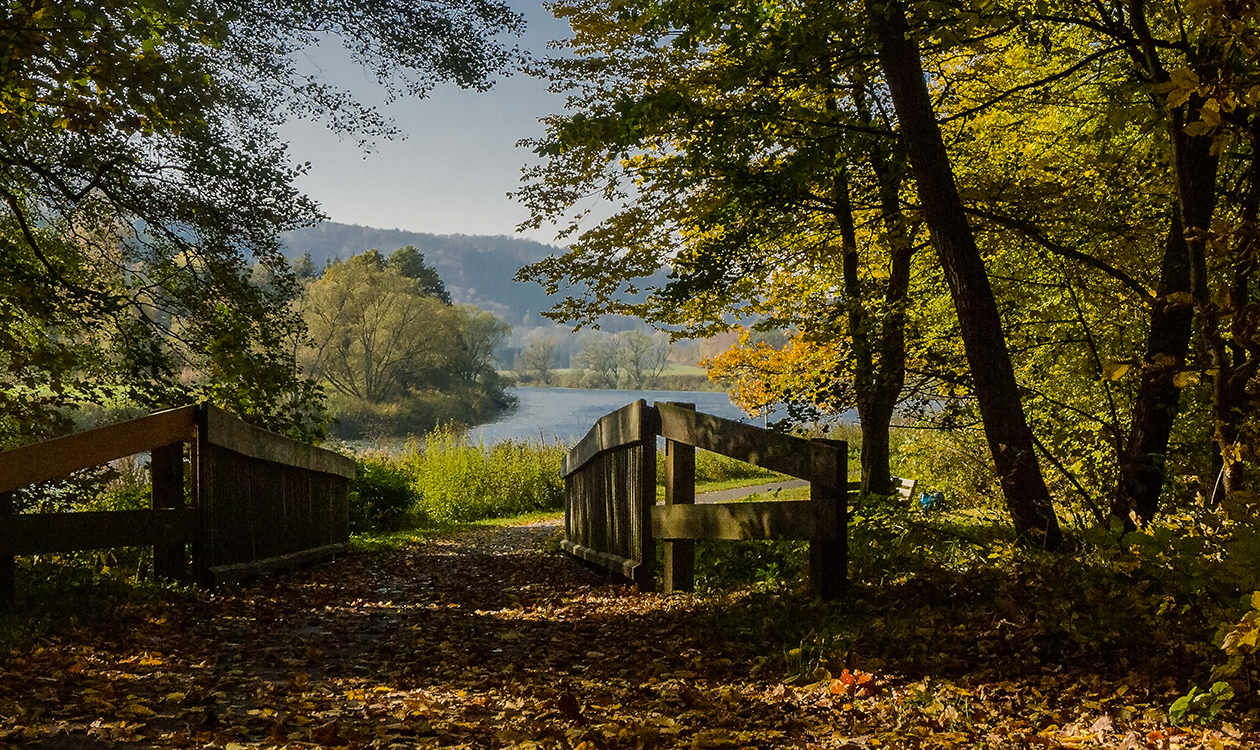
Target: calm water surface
<point>568,413</point>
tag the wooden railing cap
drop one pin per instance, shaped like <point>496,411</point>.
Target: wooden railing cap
<point>226,430</point>
<point>56,458</point>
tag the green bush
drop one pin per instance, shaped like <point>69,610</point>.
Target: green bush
<point>381,495</point>
<point>724,564</point>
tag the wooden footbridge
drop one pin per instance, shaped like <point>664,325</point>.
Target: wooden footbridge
<point>612,518</point>
<point>229,498</point>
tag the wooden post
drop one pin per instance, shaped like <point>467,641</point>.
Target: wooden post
<point>680,489</point>
<point>167,467</point>
<point>8,564</point>
<point>828,490</point>
<point>198,473</point>
<point>649,425</point>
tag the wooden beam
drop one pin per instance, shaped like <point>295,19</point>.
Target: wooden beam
<point>619,565</point>
<point>43,533</point>
<point>829,547</point>
<point>771,450</point>
<point>53,459</point>
<point>649,426</point>
<point>8,565</point>
<point>228,431</point>
<point>679,568</point>
<point>768,520</point>
<point>221,574</point>
<point>613,430</point>
<point>166,465</point>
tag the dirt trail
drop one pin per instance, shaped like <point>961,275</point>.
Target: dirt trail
<point>493,639</point>
<point>487,639</point>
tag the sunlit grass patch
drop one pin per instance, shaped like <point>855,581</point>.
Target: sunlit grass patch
<point>379,542</point>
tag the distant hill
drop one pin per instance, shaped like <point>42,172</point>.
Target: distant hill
<point>476,269</point>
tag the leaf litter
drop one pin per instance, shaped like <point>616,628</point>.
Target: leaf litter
<point>492,639</point>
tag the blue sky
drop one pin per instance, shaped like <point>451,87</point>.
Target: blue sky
<point>451,173</point>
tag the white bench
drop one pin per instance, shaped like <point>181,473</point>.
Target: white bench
<point>901,486</point>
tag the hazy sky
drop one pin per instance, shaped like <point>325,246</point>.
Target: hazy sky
<point>451,173</point>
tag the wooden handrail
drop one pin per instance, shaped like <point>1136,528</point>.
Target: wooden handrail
<point>228,431</point>
<point>260,501</point>
<point>59,457</point>
<point>613,430</point>
<point>53,459</point>
<point>822,520</point>
<point>775,451</point>
<point>792,519</point>
<point>42,533</point>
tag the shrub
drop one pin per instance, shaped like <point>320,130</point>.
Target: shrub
<point>381,495</point>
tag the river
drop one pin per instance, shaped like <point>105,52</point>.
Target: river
<point>567,413</point>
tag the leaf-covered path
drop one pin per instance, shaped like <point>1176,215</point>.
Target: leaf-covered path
<point>492,639</point>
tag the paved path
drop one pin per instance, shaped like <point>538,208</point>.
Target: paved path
<point>722,496</point>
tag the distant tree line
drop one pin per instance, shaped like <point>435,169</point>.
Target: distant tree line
<point>633,360</point>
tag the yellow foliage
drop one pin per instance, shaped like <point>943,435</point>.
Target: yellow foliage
<point>761,375</point>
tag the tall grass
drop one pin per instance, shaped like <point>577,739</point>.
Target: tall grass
<point>445,478</point>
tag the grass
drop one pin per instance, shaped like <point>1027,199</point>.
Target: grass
<point>446,479</point>
<point>384,541</point>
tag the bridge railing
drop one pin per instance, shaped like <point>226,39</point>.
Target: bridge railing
<point>611,515</point>
<point>610,488</point>
<point>243,499</point>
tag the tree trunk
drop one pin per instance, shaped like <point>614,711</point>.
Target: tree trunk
<point>997,393</point>
<point>879,347</point>
<point>1183,273</point>
<point>890,374</point>
<point>1184,269</point>
<point>1141,476</point>
<point>1235,354</point>
<point>873,407</point>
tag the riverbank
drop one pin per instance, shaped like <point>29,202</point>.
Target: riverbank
<point>674,378</point>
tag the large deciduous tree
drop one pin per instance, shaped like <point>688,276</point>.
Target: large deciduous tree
<point>764,172</point>
<point>997,392</point>
<point>1087,173</point>
<point>397,358</point>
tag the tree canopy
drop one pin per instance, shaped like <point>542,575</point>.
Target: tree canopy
<point>1086,177</point>
<point>141,174</point>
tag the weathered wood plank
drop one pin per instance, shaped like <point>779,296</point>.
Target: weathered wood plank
<point>221,574</point>
<point>228,431</point>
<point>679,561</point>
<point>613,430</point>
<point>53,459</point>
<point>795,519</point>
<point>44,533</point>
<point>619,565</point>
<point>771,450</point>
<point>170,556</point>
<point>829,547</point>
<point>8,566</point>
<point>644,498</point>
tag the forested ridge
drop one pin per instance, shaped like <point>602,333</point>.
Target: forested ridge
<point>477,269</point>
